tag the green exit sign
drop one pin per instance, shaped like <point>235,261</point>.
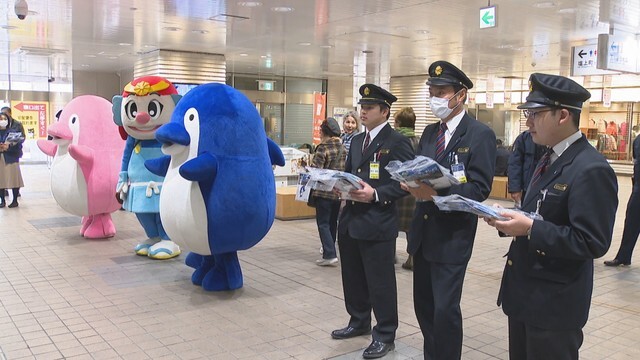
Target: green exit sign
<point>488,17</point>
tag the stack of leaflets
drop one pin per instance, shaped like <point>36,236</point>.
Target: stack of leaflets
<point>461,203</point>
<point>421,169</point>
<point>330,180</point>
<point>14,138</point>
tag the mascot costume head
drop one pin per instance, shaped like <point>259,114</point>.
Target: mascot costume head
<point>86,150</point>
<point>145,105</point>
<point>219,190</point>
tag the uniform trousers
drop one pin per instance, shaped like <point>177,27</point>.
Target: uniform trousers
<point>631,227</point>
<point>437,290</point>
<point>369,283</point>
<point>528,342</point>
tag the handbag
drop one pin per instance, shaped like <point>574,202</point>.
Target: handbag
<point>312,199</point>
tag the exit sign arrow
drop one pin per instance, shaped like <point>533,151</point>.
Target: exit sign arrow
<point>582,53</point>
<point>487,17</point>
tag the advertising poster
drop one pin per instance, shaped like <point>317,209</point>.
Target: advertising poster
<point>319,114</point>
<point>34,116</point>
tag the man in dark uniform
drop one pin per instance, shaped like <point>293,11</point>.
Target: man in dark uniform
<point>632,217</point>
<point>548,278</point>
<point>441,242</point>
<point>368,227</point>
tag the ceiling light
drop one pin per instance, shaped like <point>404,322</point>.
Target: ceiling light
<point>112,57</point>
<point>567,11</point>
<point>263,56</point>
<point>200,31</point>
<point>243,54</point>
<point>406,57</point>
<point>422,32</point>
<point>124,44</point>
<point>367,51</point>
<point>282,9</point>
<point>9,27</point>
<point>250,3</point>
<point>172,28</point>
<point>304,43</point>
<point>85,65</point>
<point>544,4</point>
<point>401,28</point>
<point>90,56</point>
<point>326,46</point>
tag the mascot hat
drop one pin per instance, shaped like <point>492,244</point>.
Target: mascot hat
<point>146,85</point>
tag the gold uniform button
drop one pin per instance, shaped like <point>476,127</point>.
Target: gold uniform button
<point>425,217</point>
<point>510,262</point>
<point>538,251</point>
<point>542,253</point>
<point>353,203</point>
<point>359,170</point>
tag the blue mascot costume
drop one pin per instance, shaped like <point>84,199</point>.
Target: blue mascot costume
<point>219,189</point>
<point>145,105</point>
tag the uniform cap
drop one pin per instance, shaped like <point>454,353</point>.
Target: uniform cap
<point>374,94</point>
<point>443,73</point>
<point>556,91</point>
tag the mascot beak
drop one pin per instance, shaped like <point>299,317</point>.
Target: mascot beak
<point>58,131</point>
<point>173,133</point>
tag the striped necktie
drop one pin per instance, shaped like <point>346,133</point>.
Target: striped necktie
<point>440,141</point>
<point>542,166</point>
<point>367,140</point>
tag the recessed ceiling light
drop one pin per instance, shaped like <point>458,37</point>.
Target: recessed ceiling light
<point>263,56</point>
<point>172,28</point>
<point>200,31</point>
<point>90,56</point>
<point>406,57</point>
<point>401,28</point>
<point>9,27</point>
<point>304,43</point>
<point>124,44</point>
<point>422,31</point>
<point>112,57</point>
<point>282,9</point>
<point>567,11</point>
<point>243,54</point>
<point>250,3</point>
<point>326,46</point>
<point>85,65</point>
<point>544,4</point>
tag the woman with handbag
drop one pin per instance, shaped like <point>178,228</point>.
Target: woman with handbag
<point>329,154</point>
<point>11,139</point>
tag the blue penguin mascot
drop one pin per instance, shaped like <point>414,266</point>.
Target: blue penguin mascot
<point>219,189</point>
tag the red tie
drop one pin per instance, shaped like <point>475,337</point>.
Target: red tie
<point>543,163</point>
<point>440,141</point>
<point>367,140</point>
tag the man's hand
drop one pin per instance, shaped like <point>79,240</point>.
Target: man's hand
<point>423,192</point>
<point>4,147</point>
<point>517,225</point>
<point>517,197</point>
<point>366,194</point>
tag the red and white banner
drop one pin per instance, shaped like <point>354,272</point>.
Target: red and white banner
<point>319,114</point>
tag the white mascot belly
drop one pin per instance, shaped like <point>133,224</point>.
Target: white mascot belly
<point>186,224</point>
<point>68,185</point>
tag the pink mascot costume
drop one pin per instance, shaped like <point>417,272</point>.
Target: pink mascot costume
<point>86,150</point>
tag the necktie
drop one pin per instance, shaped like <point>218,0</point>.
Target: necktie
<point>543,163</point>
<point>440,141</point>
<point>367,140</point>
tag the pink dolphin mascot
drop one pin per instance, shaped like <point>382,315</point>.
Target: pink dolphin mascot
<point>87,151</point>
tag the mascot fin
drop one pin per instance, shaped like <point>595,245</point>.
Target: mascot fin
<point>202,168</point>
<point>158,166</point>
<point>277,158</point>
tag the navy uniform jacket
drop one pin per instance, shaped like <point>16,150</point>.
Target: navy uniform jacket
<point>522,162</point>
<point>375,221</point>
<point>548,278</point>
<point>447,237</point>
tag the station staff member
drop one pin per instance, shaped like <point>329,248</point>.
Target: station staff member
<point>441,242</point>
<point>368,228</point>
<point>548,278</point>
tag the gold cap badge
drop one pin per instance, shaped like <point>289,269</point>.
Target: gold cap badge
<point>530,86</point>
<point>438,70</point>
<point>366,91</point>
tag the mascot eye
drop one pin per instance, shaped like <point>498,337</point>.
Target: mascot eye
<point>74,119</point>
<point>155,109</point>
<point>131,109</point>
<point>191,117</point>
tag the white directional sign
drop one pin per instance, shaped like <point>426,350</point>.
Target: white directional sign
<point>488,17</point>
<point>619,53</point>
<point>584,61</point>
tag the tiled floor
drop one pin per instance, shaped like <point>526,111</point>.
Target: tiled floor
<point>62,296</point>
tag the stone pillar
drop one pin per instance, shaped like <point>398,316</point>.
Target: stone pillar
<point>182,67</point>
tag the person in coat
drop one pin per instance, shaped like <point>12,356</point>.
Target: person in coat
<point>548,276</point>
<point>522,162</point>
<point>368,226</point>
<point>441,242</point>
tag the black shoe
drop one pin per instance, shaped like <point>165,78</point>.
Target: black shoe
<point>614,262</point>
<point>349,332</point>
<point>13,204</point>
<point>2,205</point>
<point>377,349</point>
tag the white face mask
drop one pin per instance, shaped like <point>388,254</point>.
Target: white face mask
<point>440,106</point>
<point>4,123</point>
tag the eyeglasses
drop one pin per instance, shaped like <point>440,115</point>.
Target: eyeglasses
<point>532,114</point>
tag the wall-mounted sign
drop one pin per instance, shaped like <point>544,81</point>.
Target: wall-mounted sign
<point>34,117</point>
<point>584,60</point>
<point>266,85</point>
<point>618,53</point>
<point>488,17</point>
